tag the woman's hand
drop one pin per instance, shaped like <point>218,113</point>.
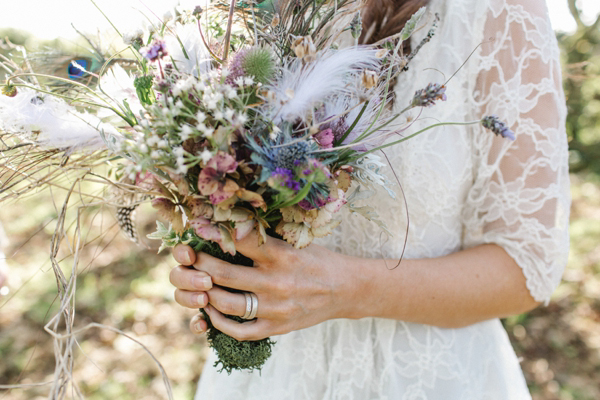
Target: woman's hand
<point>295,288</point>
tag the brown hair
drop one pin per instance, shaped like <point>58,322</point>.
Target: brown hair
<point>383,18</point>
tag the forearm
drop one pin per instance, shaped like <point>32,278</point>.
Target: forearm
<point>451,291</point>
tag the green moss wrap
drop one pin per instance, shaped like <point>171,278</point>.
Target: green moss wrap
<point>233,354</point>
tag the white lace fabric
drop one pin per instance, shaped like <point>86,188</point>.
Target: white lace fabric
<point>464,187</point>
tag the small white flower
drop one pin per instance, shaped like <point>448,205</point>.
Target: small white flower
<point>211,104</point>
<point>208,132</point>
<point>143,148</point>
<point>163,144</point>
<point>206,155</point>
<point>218,115</point>
<point>218,96</point>
<point>186,132</point>
<point>179,152</point>
<point>152,141</point>
<point>239,81</point>
<point>155,155</point>
<point>200,116</point>
<point>249,80</point>
<point>138,168</point>
<point>229,114</point>
<point>275,132</point>
<point>167,16</point>
<point>231,93</point>
<point>242,119</point>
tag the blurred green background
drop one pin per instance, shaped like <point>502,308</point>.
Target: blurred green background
<point>126,286</point>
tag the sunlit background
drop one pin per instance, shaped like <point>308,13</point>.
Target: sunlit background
<point>48,19</point>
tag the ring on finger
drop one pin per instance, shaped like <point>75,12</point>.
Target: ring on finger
<point>249,304</point>
<point>254,306</point>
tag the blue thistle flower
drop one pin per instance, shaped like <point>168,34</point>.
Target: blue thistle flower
<point>428,96</point>
<point>493,123</point>
<point>291,155</point>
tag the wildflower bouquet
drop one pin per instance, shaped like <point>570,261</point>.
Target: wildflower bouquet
<point>225,134</point>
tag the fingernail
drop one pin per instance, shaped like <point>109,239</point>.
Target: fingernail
<point>202,282</point>
<point>198,327</point>
<point>200,299</point>
<point>186,258</point>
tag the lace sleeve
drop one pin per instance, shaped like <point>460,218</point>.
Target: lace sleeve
<point>520,194</point>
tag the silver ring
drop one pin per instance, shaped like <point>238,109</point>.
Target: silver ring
<point>249,304</point>
<point>254,306</point>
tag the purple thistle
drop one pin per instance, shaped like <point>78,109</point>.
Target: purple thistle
<point>493,123</point>
<point>428,96</point>
<point>287,178</point>
<point>156,50</point>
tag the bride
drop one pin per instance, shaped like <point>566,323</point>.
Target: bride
<point>487,236</point>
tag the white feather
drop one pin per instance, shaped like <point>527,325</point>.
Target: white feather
<point>314,82</point>
<point>198,60</point>
<point>51,122</point>
<point>119,86</point>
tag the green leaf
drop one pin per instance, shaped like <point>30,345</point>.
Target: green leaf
<point>411,24</point>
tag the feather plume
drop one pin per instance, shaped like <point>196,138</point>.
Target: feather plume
<point>303,85</point>
<point>51,122</point>
<point>196,59</point>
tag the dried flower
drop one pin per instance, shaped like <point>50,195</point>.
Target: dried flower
<point>275,21</point>
<point>493,123</point>
<point>304,47</point>
<point>197,11</point>
<point>9,90</point>
<point>368,78</point>
<point>428,96</point>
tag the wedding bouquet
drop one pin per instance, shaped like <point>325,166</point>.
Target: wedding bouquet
<point>226,135</point>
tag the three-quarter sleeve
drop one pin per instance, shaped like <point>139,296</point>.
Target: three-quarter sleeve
<point>520,198</point>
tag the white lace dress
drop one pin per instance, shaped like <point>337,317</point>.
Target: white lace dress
<point>464,187</point>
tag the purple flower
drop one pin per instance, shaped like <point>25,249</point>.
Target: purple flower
<point>286,178</point>
<point>156,50</point>
<point>493,123</point>
<point>428,96</point>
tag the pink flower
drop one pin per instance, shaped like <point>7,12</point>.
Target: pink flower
<point>325,138</point>
<point>206,230</point>
<point>213,181</point>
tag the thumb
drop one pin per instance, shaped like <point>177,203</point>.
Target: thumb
<point>184,255</point>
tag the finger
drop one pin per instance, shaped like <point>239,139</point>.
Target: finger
<point>249,247</point>
<point>190,279</point>
<point>230,275</point>
<point>227,302</point>
<point>242,331</point>
<point>198,325</point>
<point>184,254</point>
<point>191,299</point>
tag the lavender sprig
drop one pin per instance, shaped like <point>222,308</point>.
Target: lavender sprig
<point>493,123</point>
<point>428,96</point>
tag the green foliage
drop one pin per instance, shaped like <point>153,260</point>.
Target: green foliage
<point>581,79</point>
